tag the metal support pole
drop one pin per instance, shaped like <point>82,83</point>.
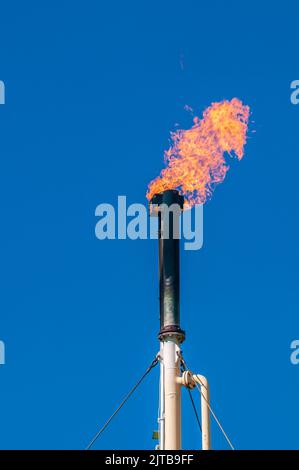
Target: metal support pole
<point>161,419</point>
<point>205,411</point>
<point>173,437</point>
<point>168,206</point>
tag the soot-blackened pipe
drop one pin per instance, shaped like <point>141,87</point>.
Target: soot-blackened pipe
<point>168,206</point>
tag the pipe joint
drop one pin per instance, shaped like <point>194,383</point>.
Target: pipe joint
<point>187,380</point>
<point>172,331</point>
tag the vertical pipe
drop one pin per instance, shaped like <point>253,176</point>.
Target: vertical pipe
<point>169,272</point>
<point>205,411</point>
<point>162,401</point>
<point>173,437</point>
<point>170,205</point>
<point>205,414</point>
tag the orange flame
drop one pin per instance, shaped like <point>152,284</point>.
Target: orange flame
<point>195,162</point>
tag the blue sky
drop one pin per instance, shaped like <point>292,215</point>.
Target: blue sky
<point>92,91</point>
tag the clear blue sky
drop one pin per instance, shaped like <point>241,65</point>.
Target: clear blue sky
<point>92,91</point>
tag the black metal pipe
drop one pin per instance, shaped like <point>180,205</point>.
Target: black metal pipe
<point>167,206</point>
